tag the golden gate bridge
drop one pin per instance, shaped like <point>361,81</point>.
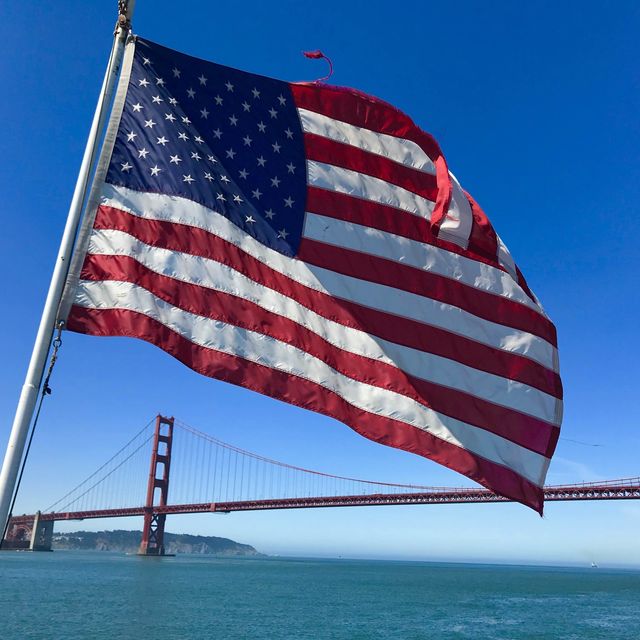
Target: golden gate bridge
<point>210,476</point>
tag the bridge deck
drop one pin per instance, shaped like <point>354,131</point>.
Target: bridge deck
<point>612,490</point>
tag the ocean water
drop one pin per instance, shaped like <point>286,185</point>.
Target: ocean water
<point>104,595</point>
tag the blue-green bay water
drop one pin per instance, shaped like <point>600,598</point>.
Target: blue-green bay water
<point>105,595</point>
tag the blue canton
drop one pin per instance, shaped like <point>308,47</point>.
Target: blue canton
<point>229,140</point>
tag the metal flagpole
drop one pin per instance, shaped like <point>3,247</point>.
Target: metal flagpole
<point>33,379</point>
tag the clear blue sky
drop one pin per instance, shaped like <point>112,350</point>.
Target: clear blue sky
<point>536,108</point>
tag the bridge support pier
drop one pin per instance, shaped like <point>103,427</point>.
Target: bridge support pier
<point>41,534</point>
<point>152,543</point>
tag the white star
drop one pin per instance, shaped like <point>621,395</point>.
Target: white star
<point>224,179</point>
<point>262,127</point>
<point>160,82</point>
<point>237,199</point>
<point>146,61</point>
<point>143,153</point>
<point>228,85</point>
<point>149,123</point>
<point>283,233</point>
<point>186,120</point>
<point>291,167</point>
<point>233,120</point>
<point>175,159</point>
<point>247,141</point>
<point>212,159</point>
<point>246,106</point>
<point>144,82</point>
<point>261,161</point>
<point>208,176</point>
<point>195,155</point>
<point>282,100</point>
<point>273,113</point>
<point>276,147</point>
<point>155,170</point>
<point>176,72</point>
<point>269,213</point>
<point>288,202</point>
<point>203,80</point>
<point>183,136</point>
<point>256,193</point>
<point>275,182</point>
<point>217,133</point>
<point>199,140</point>
<point>204,113</point>
<point>188,179</point>
<point>243,174</point>
<point>162,141</point>
<point>126,166</point>
<point>256,93</point>
<point>289,133</point>
<point>191,93</point>
<point>221,198</point>
<point>249,219</point>
<point>157,99</point>
<point>173,101</point>
<point>131,136</point>
<point>218,100</point>
<point>169,116</point>
<point>231,153</point>
<point>137,107</point>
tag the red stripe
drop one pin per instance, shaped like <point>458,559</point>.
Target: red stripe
<point>308,395</point>
<point>507,423</point>
<point>411,333</point>
<point>379,216</point>
<point>363,110</point>
<point>482,240</point>
<point>430,285</point>
<point>346,156</point>
<point>523,284</point>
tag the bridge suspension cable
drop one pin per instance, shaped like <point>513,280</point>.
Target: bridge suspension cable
<point>106,489</point>
<point>206,471</point>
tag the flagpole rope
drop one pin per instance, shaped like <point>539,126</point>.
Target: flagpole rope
<point>318,55</point>
<point>45,391</point>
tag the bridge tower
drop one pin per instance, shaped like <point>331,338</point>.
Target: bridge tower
<point>152,543</point>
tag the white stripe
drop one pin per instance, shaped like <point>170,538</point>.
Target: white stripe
<point>456,226</point>
<point>397,149</point>
<point>353,183</point>
<point>268,352</point>
<point>214,275</point>
<point>394,301</point>
<point>421,255</point>
<point>505,259</point>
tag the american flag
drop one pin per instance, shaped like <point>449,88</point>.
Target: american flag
<point>308,242</point>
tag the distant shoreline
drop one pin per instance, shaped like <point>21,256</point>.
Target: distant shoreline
<point>128,541</point>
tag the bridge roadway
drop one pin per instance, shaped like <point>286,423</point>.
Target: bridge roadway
<point>626,489</point>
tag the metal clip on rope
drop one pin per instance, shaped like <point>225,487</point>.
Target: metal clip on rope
<point>57,343</point>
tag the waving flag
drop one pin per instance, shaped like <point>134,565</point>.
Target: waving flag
<point>308,242</point>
